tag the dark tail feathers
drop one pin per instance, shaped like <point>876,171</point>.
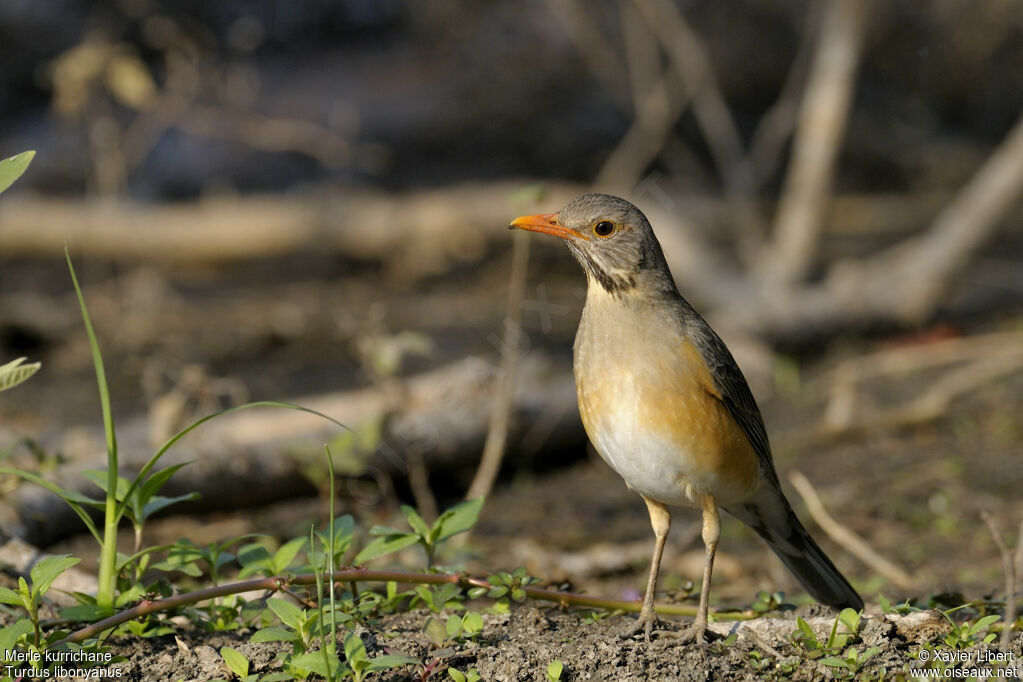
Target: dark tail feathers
<point>773,519</point>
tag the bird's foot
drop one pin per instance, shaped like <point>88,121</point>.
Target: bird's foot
<point>647,623</point>
<point>697,633</point>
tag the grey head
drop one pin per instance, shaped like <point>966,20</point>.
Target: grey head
<point>612,240</point>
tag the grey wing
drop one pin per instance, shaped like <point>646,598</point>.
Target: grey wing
<point>735,392</point>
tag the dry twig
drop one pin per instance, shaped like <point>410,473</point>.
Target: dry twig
<point>511,350</point>
<point>822,120</point>
<point>853,543</point>
<point>1009,569</point>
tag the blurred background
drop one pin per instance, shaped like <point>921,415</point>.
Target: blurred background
<point>308,201</point>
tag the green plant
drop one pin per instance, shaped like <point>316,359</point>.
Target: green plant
<point>237,664</point>
<point>505,585</point>
<point>361,665</point>
<point>966,635</point>
<point>455,629</point>
<point>768,601</point>
<point>29,597</point>
<point>457,519</point>
<point>901,609</point>
<point>12,167</point>
<point>13,373</point>
<point>852,660</point>
<point>472,675</point>
<point>804,635</point>
<point>554,670</point>
<point>136,498</point>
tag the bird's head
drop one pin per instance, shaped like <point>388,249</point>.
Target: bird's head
<point>611,239</point>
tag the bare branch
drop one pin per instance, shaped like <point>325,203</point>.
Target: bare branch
<point>511,350</point>
<point>1009,617</point>
<point>821,124</point>
<point>922,269</point>
<point>853,543</point>
<point>696,78</point>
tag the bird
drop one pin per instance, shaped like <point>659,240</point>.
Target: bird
<point>666,406</point>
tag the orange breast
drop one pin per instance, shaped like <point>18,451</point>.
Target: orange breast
<point>654,416</point>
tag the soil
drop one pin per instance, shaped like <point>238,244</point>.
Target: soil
<point>520,646</point>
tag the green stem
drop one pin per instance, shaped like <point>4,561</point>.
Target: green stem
<point>278,583</point>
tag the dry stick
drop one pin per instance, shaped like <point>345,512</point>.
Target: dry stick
<point>643,141</point>
<point>822,121</point>
<point>657,108</point>
<point>924,267</point>
<point>278,583</point>
<point>766,148</point>
<point>1010,578</point>
<point>759,641</point>
<point>511,351</point>
<point>845,537</point>
<point>696,78</point>
<point>590,42</point>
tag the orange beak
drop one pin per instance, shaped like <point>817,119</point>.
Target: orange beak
<point>548,224</point>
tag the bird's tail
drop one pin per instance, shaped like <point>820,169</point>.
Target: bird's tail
<point>770,515</point>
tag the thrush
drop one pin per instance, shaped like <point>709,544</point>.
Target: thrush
<point>666,406</point>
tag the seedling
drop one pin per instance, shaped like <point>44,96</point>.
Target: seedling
<point>457,519</point>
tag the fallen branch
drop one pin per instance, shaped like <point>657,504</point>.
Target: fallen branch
<point>851,542</point>
<point>821,125</point>
<point>1009,569</point>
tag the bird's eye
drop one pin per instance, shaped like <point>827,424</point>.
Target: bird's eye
<point>604,228</point>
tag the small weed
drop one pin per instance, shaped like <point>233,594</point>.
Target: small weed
<point>554,670</point>
<point>852,660</point>
<point>472,675</point>
<point>805,638</point>
<point>768,601</point>
<point>966,635</point>
<point>457,519</point>
<point>29,597</point>
<point>505,586</point>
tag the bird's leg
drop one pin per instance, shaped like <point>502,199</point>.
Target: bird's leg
<point>660,519</point>
<point>711,532</point>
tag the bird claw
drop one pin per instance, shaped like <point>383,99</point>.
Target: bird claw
<point>644,624</point>
<point>698,634</point>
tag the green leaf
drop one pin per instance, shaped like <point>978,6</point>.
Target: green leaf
<point>415,521</point>
<point>984,623</point>
<point>274,634</point>
<point>435,631</point>
<point>10,635</point>
<point>554,669</point>
<point>9,596</point>
<point>13,373</point>
<point>287,553</point>
<point>850,619</point>
<point>456,675</point>
<point>313,662</point>
<point>289,614</point>
<point>472,623</point>
<point>458,519</point>
<point>385,545</point>
<point>159,502</point>
<point>238,664</point>
<point>833,662</point>
<point>12,167</point>
<point>355,651</point>
<point>46,571</point>
<point>453,626</point>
